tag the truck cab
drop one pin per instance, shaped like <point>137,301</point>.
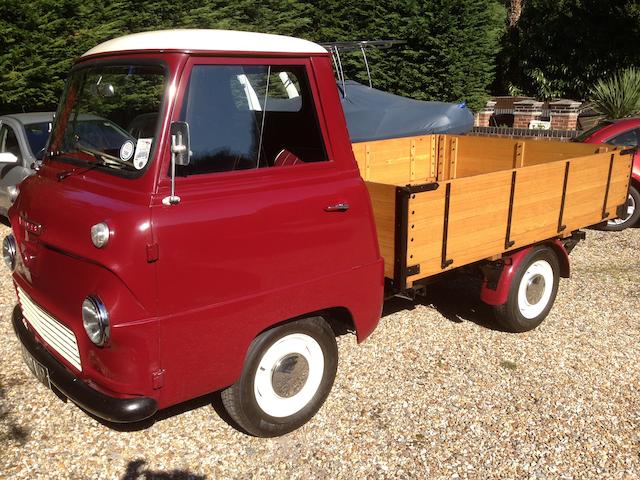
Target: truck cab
<point>211,232</point>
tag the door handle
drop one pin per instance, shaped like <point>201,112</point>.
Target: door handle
<point>338,207</point>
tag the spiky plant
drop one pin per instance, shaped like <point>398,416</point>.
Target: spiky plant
<point>619,95</point>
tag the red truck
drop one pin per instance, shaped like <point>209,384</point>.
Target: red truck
<point>209,228</point>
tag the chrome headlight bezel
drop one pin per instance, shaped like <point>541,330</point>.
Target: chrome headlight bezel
<point>95,319</point>
<point>9,251</point>
<point>100,234</point>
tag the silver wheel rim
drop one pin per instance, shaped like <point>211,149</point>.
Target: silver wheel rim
<point>631,208</point>
<point>534,291</point>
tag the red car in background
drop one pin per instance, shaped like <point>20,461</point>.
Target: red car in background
<point>624,132</point>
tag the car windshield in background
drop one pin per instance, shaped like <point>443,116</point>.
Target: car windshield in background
<point>109,114</point>
<point>37,135</point>
<point>587,133</point>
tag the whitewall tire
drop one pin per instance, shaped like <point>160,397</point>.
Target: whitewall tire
<point>288,373</point>
<point>532,291</point>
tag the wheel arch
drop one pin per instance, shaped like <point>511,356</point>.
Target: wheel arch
<point>339,319</point>
<point>496,291</point>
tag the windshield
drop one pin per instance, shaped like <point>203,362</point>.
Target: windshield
<point>109,114</point>
<point>37,136</point>
<point>587,133</point>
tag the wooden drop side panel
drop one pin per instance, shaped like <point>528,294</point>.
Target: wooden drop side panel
<point>536,191</point>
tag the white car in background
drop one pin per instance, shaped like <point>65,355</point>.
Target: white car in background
<point>23,138</point>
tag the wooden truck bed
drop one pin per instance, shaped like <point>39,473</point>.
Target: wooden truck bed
<point>441,202</point>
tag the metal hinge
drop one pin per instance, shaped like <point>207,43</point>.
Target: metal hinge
<point>413,270</point>
<point>157,379</point>
<point>153,252</point>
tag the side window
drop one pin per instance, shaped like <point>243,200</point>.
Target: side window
<point>250,116</point>
<point>9,142</point>
<point>628,139</point>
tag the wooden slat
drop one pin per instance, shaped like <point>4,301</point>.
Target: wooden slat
<point>620,177</point>
<point>397,161</point>
<point>478,217</point>
<point>536,205</point>
<point>383,201</point>
<point>586,188</point>
<point>544,152</point>
<point>425,230</point>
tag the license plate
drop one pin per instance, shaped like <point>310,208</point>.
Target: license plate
<point>39,371</point>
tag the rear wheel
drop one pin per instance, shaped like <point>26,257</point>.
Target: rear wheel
<point>288,373</point>
<point>631,213</point>
<point>532,292</point>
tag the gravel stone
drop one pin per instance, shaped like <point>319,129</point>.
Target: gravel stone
<point>436,392</point>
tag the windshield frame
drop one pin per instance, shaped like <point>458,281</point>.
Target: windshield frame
<point>125,61</point>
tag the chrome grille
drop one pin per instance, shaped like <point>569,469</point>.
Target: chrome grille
<point>57,336</point>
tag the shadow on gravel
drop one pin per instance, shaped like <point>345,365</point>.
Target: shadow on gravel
<point>9,429</point>
<point>457,298</point>
<point>136,472</point>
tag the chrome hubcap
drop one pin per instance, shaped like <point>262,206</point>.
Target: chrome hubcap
<point>535,289</point>
<point>290,375</point>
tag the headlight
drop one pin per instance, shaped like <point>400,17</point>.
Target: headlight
<point>100,234</point>
<point>13,191</point>
<point>95,319</point>
<point>9,251</point>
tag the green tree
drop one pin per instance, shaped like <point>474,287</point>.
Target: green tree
<point>450,48</point>
<point>449,54</point>
<point>560,48</point>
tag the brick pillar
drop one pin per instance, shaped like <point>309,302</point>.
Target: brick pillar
<point>482,118</point>
<point>564,114</point>
<point>525,111</point>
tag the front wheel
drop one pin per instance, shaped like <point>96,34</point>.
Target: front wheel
<point>288,373</point>
<point>631,213</point>
<point>532,291</point>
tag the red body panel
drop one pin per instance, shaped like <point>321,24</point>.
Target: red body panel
<point>499,295</point>
<point>242,251</point>
<point>607,132</point>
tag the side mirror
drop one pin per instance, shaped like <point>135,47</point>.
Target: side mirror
<point>180,148</point>
<point>180,155</point>
<point>8,157</point>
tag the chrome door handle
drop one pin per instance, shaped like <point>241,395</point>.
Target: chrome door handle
<point>338,207</point>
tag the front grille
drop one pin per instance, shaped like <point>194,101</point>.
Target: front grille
<point>57,336</point>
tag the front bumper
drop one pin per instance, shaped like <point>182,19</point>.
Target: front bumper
<point>112,409</point>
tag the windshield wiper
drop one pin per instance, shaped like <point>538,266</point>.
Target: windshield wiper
<point>68,173</point>
<point>101,160</point>
<point>103,157</point>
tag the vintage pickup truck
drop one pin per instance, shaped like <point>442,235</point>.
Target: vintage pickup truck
<point>225,230</point>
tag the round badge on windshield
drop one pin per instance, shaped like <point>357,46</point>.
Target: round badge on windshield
<point>126,150</point>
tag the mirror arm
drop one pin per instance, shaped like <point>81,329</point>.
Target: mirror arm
<point>180,154</point>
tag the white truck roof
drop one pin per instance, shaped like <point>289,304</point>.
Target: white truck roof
<point>207,40</point>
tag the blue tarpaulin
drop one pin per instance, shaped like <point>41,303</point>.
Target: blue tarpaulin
<point>376,115</point>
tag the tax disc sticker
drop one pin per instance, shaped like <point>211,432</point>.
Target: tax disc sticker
<point>126,150</point>
<point>143,148</point>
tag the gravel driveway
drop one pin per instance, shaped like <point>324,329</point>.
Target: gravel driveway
<point>436,392</point>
